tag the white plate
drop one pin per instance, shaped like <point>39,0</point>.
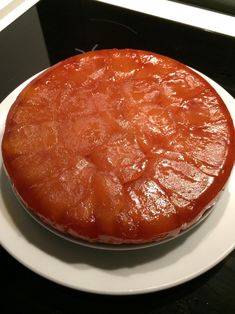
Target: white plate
<point>116,272</point>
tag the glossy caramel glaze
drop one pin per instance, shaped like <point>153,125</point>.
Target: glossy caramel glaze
<point>119,146</point>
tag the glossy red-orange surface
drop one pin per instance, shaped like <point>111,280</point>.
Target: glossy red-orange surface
<point>119,146</point>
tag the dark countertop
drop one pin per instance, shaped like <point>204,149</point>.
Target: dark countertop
<point>224,6</point>
<point>43,36</point>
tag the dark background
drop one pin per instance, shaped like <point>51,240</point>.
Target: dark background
<point>54,30</point>
<point>224,6</point>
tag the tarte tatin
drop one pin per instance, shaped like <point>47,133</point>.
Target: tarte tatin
<point>118,146</point>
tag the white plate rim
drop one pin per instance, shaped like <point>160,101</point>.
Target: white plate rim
<point>11,237</point>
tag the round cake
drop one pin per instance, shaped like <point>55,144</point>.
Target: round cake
<point>118,146</point>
